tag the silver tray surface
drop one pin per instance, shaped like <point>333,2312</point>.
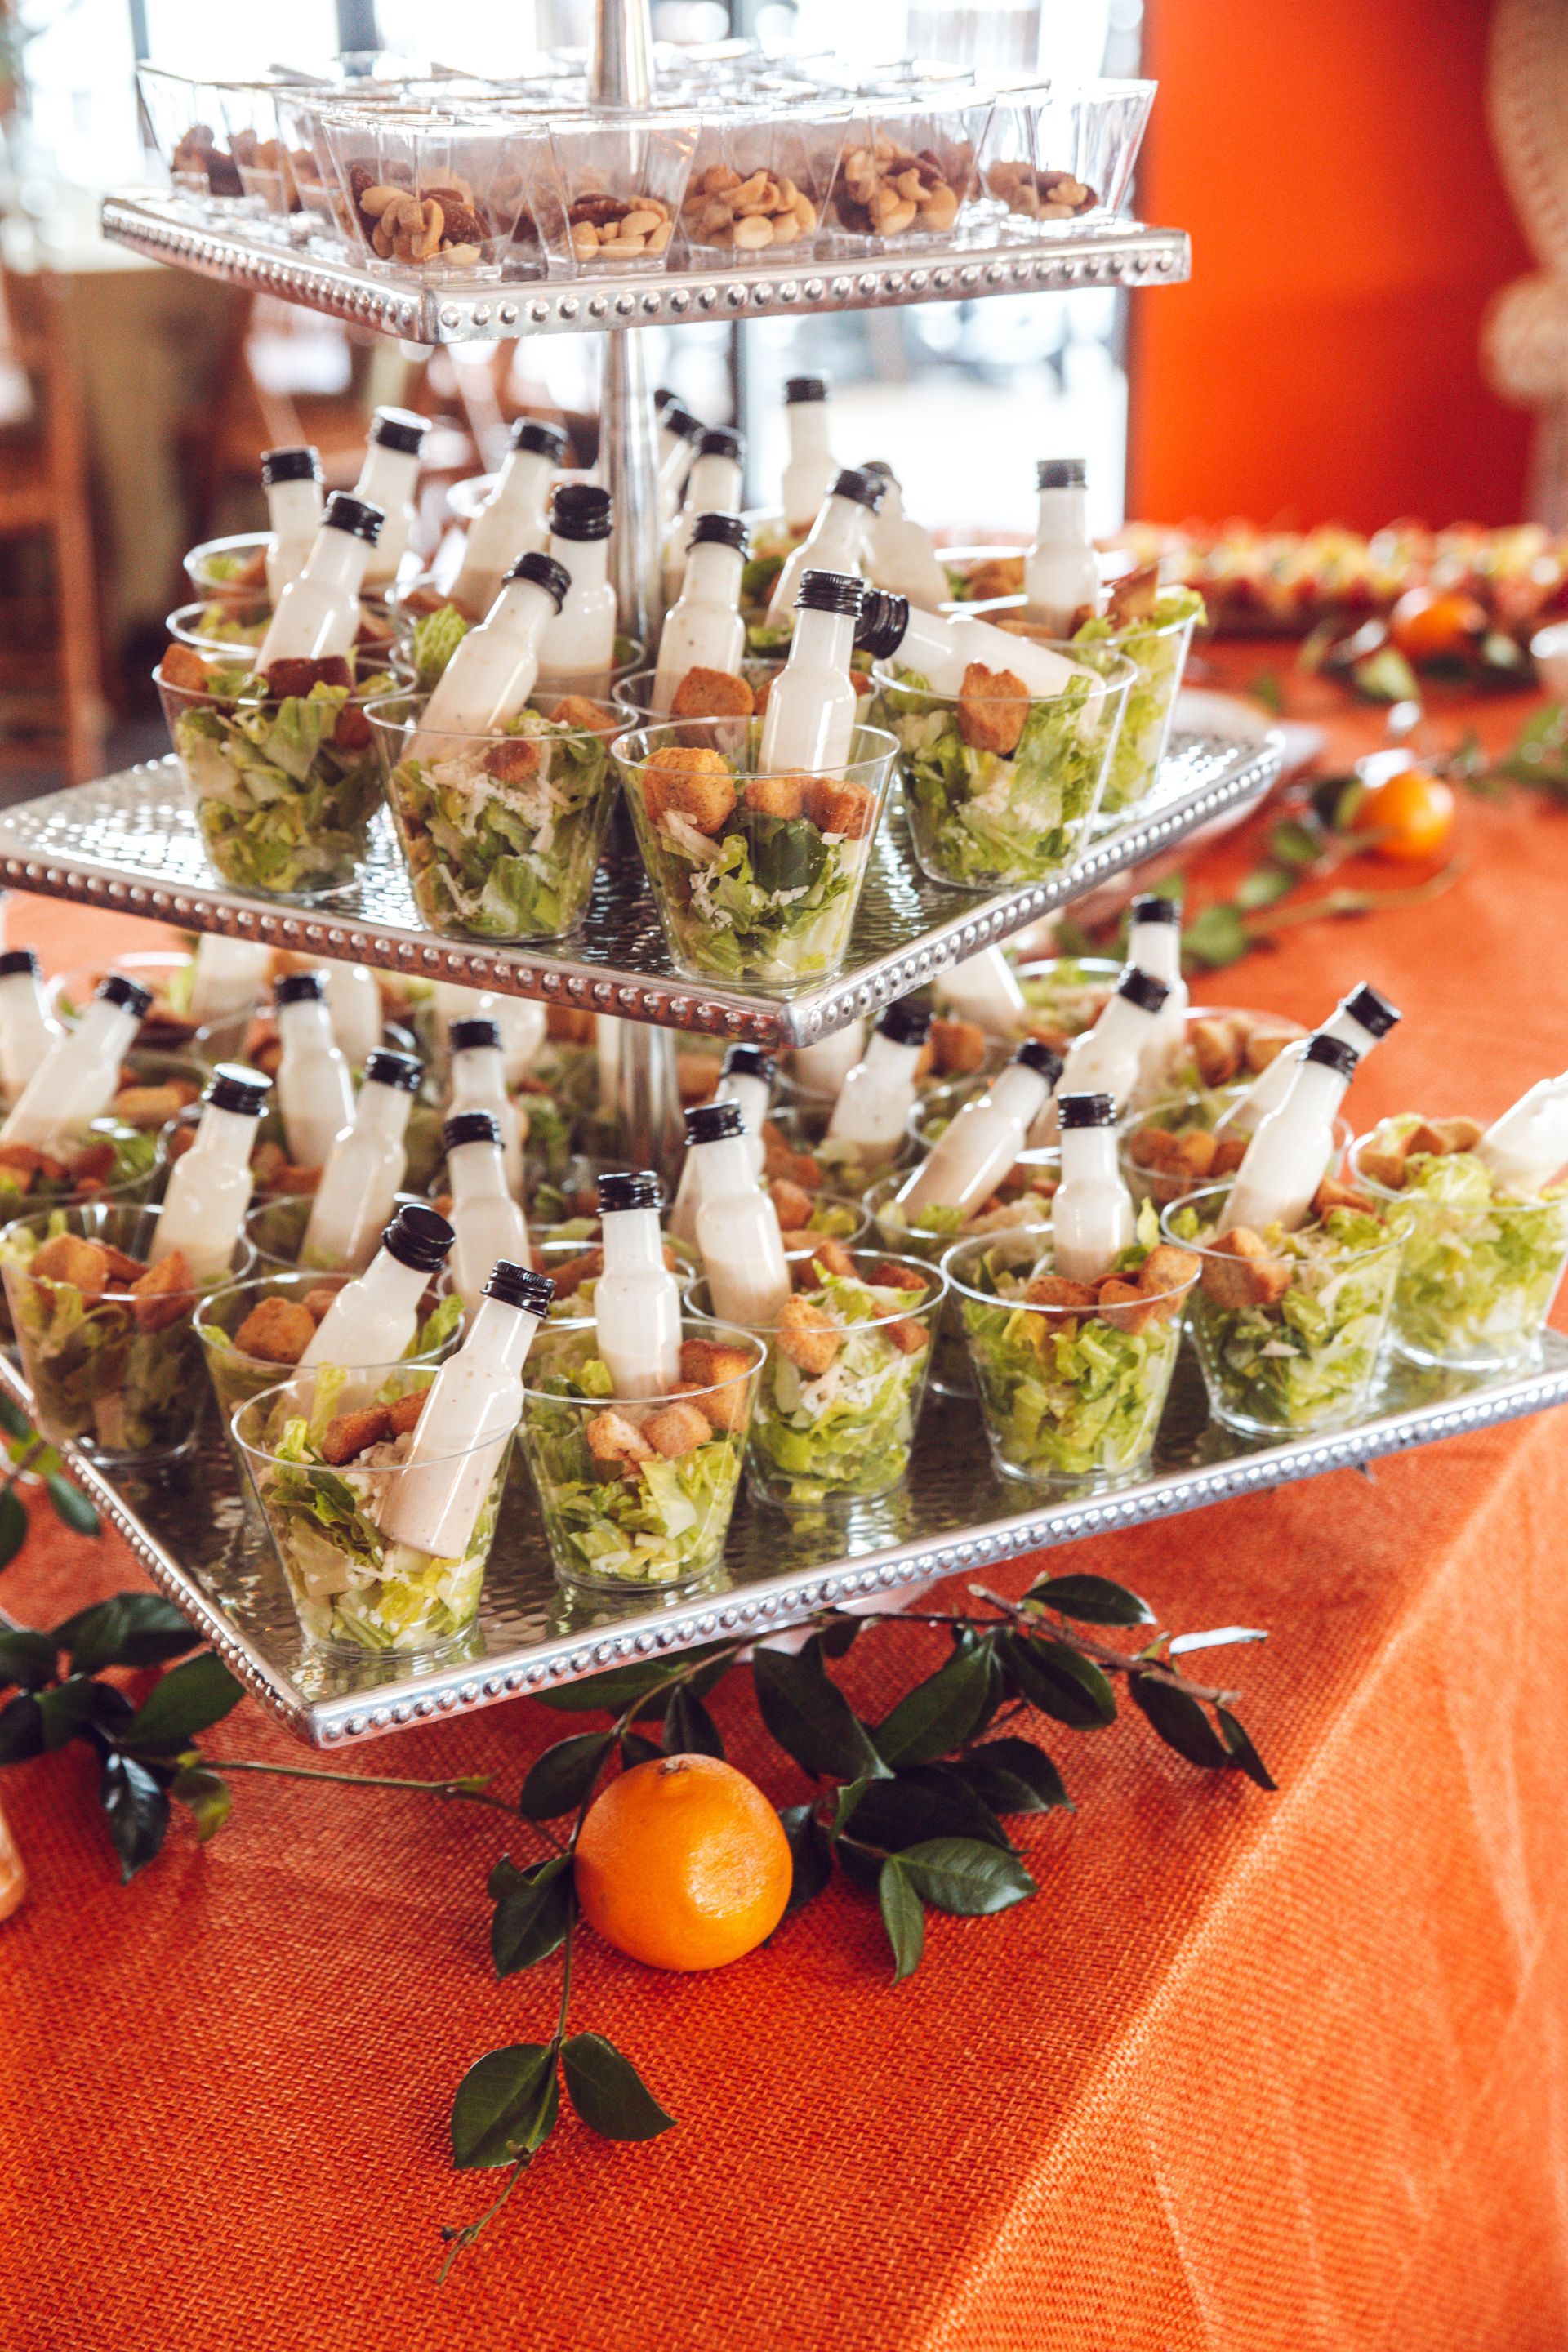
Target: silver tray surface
<point>189,1527</point>
<point>130,842</point>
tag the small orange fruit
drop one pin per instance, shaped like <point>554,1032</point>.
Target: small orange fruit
<point>682,1863</point>
<point>1427,625</point>
<point>1411,814</point>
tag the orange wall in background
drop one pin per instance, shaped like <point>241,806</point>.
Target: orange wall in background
<point>1330,159</point>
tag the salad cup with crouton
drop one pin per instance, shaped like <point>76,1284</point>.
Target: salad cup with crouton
<point>756,878</point>
<point>1022,1199</point>
<point>254,1331</point>
<point>1150,627</point>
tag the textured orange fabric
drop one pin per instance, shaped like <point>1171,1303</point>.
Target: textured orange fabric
<point>1253,2075</point>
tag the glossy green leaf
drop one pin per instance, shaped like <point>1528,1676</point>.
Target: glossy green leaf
<point>64,1709</point>
<point>809,1715</point>
<point>940,1714</point>
<point>903,1916</point>
<point>14,1421</point>
<point>635,1749</point>
<point>1264,887</point>
<point>21,1729</point>
<point>531,1919</point>
<point>26,1658</point>
<point>1012,1776</point>
<point>71,1505</point>
<point>133,1628</point>
<point>137,1808</point>
<point>206,1796</point>
<point>839,1635</point>
<point>924,1801</point>
<point>608,2092</point>
<point>1091,1600</point>
<point>960,1875</point>
<point>1242,1752</point>
<point>189,1698</point>
<point>560,1779</point>
<point>505,2105</point>
<point>1179,1720</point>
<point>811,1854</point>
<point>1060,1682</point>
<point>13,1524</point>
<point>1215,938</point>
<point>688,1728</point>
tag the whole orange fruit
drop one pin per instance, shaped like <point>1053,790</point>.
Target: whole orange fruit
<point>1410,813</point>
<point>1427,622</point>
<point>682,1863</point>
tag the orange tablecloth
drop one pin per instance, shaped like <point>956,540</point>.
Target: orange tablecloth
<point>1254,2075</point>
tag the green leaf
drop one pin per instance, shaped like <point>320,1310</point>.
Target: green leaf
<point>1264,887</point>
<point>924,1801</point>
<point>960,1875</point>
<point>688,1728</point>
<point>809,1715</point>
<point>1215,938</point>
<point>206,1796</point>
<point>14,1420</point>
<point>1292,843</point>
<point>531,1920</point>
<point>939,1714</point>
<point>635,1749</point>
<point>618,1687</point>
<point>1014,1776</point>
<point>1061,1682</point>
<point>903,1916</point>
<point>137,1808</point>
<point>559,1781</point>
<point>1179,1720</point>
<point>1242,1752</point>
<point>811,1853</point>
<point>187,1699</point>
<point>505,2105</point>
<point>846,1796</point>
<point>21,1729</point>
<point>13,1524</point>
<point>839,1635</point>
<point>609,2093</point>
<point>134,1629</point>
<point>1091,1600</point>
<point>71,1505</point>
<point>26,1658</point>
<point>1266,689</point>
<point>505,1878</point>
<point>65,1708</point>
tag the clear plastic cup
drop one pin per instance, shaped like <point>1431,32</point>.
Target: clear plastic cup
<point>237,1373</point>
<point>846,1170</point>
<point>1059,152</point>
<point>1171,1150</point>
<point>1025,1202</point>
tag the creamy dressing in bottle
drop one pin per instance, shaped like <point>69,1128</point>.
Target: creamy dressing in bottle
<point>388,480</point>
<point>1288,1158</point>
<point>984,989</point>
<point>513,521</point>
<point>495,667</point>
<point>811,469</point>
<point>821,1069</point>
<point>353,1005</point>
<point>371,1320</point>
<point>578,647</point>
<point>478,1083</point>
<point>292,481</point>
<point>1155,945</point>
<point>228,977</point>
<point>523,1030</point>
<point>636,1300</point>
<point>317,616</point>
<point>1360,1020</point>
<point>874,1105</point>
<point>1061,571</point>
<point>969,1160</point>
<point>940,647</point>
<point>678,434</point>
<point>78,1076</point>
<point>489,1224</point>
<point>1107,1059</point>
<point>28,1030</point>
<point>1092,1216</point>
<point>811,716</point>
<point>475,1403</point>
<point>747,1081</point>
<point>712,487</point>
<point>704,628</point>
<point>210,1186</point>
<point>737,1224</point>
<point>836,541</point>
<point>1527,1146</point>
<point>364,1169</point>
<point>315,1092</point>
<point>902,557</point>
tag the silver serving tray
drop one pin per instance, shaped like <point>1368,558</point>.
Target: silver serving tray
<point>130,842</point>
<point>194,1534</point>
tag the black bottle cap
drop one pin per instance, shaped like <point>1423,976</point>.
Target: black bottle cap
<point>637,1188</point>
<point>518,1285</point>
<point>289,466</point>
<point>19,960</point>
<point>384,1069</point>
<point>1036,1055</point>
<point>678,419</point>
<point>721,441</point>
<point>544,440</point>
<point>799,388</point>
<point>879,466</point>
<point>1364,1004</point>
<point>1150,908</point>
<point>118,989</point>
<point>1086,1110</point>
<point>906,1021</point>
<point>300,988</point>
<point>829,592</point>
<point>720,531</point>
<point>470,1127</point>
<point>883,624</point>
<point>750,1062</point>
<point>479,1031</point>
<point>232,1087</point>
<point>356,516</point>
<point>544,573</point>
<point>1061,473</point>
<point>714,1122</point>
<point>1333,1053</point>
<point>1140,987</point>
<point>867,490</point>
<point>399,428</point>
<point>664,398</point>
<point>580,510</point>
<point>419,1237</point>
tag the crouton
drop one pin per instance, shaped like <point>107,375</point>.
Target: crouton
<point>998,575</point>
<point>152,1107</point>
<point>568,1024</point>
<point>278,1331</point>
<point>1265,1046</point>
<point>27,1160</point>
<point>792,1206</point>
<point>92,1165</point>
<point>349,1434</point>
<point>958,1048</point>
<point>1230,1151</point>
<point>1216,1046</point>
<point>712,694</point>
<point>514,761</point>
<point>1459,1134</point>
<point>164,1294</point>
<point>1153,1146</point>
<point>296,1180</point>
<point>616,1445</point>
<point>820,1255</point>
<point>760,694</point>
<point>889,1274</point>
<point>68,1258</point>
<point>1055,1290</point>
<point>808,1336</point>
<point>584,716</point>
<point>677,1428</point>
<point>184,668</point>
<point>405,1412</point>
<point>1385,1165</point>
<point>842,808</point>
<point>123,1268</point>
<point>1240,1271</point>
<point>268,1162</point>
<point>297,676</point>
<point>1195,1152</point>
<point>1123,1305</point>
<point>992,705</point>
<point>1133,597</point>
<point>352,731</point>
<point>693,784</point>
<point>907,1336</point>
<point>711,1366</point>
<point>576,1271</point>
<point>1332,1194</point>
<point>422,601</point>
<point>320,1296</point>
<point>782,1166</point>
<point>1168,1267</point>
<point>776,795</point>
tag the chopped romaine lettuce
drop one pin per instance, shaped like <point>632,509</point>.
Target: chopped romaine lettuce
<point>846,1434</point>
<point>1157,648</point>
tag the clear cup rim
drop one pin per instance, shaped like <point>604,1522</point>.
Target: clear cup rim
<point>204,1312</point>
<point>1493,1208</point>
<point>380,719</point>
<point>676,734</point>
<point>1033,1307</point>
<point>361,696</point>
<point>281,1390</point>
<point>1117,680</point>
<point>692,1327</point>
<point>933,1279</point>
<point>112,1205</point>
<point>1394,1235</point>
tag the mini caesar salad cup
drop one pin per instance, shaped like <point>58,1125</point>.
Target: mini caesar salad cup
<point>637,1493</point>
<point>756,876</point>
<point>1157,647</point>
<point>254,1331</point>
<point>1000,790</point>
<point>1482,1266</point>
<point>501,833</point>
<point>322,1476</point>
<point>1024,1199</point>
<point>1072,1377</point>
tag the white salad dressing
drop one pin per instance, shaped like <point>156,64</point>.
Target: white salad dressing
<point>1108,1058</point>
<point>940,648</point>
<point>1155,945</point>
<point>810,719</point>
<point>513,521</point>
<point>1288,1158</point>
<point>210,1185</point>
<point>811,469</point>
<point>984,989</point>
<point>388,480</point>
<point>494,669</point>
<point>821,1069</point>
<point>489,1224</point>
<point>746,1079</point>
<point>704,629</point>
<point>1359,1019</point>
<point>364,1169</point>
<point>292,481</point>
<point>317,616</point>
<point>579,641</point>
<point>636,1300</point>
<point>712,487</point>
<point>968,1161</point>
<point>478,1083</point>
<point>678,434</point>
<point>228,976</point>
<point>874,1104</point>
<point>1061,571</point>
<point>28,1030</point>
<point>77,1079</point>
<point>524,1029</point>
<point>435,1499</point>
<point>315,1092</point>
<point>371,1320</point>
<point>1527,1146</point>
<point>902,557</point>
<point>836,542</point>
<point>737,1224</point>
<point>1092,1216</point>
<point>353,1004</point>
